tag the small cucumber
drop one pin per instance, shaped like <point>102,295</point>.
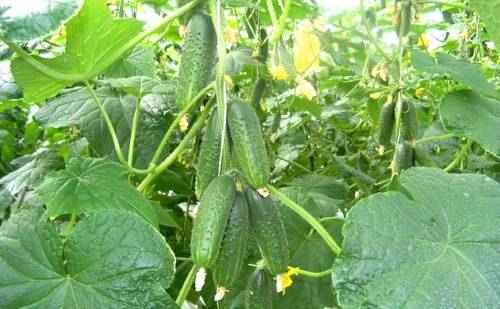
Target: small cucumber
<point>269,230</point>
<point>403,17</point>
<point>248,143</point>
<point>208,158</point>
<point>198,58</point>
<point>258,294</point>
<point>234,246</point>
<point>403,157</point>
<point>386,124</point>
<point>409,124</point>
<point>211,221</point>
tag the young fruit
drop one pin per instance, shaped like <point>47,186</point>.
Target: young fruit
<point>408,121</point>
<point>402,18</point>
<point>258,294</point>
<point>386,125</point>
<point>198,58</point>
<point>403,157</point>
<point>211,220</point>
<point>208,158</point>
<point>234,247</point>
<point>248,143</point>
<point>269,230</point>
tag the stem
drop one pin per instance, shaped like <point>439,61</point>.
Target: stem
<point>459,156</point>
<point>107,61</point>
<point>313,274</point>
<point>171,157</point>
<point>133,133</point>
<point>220,84</point>
<point>369,34</point>
<point>186,286</point>
<point>178,258</point>
<point>307,217</point>
<point>272,13</point>
<point>109,124</point>
<point>71,224</point>
<point>192,104</point>
<point>434,138</point>
<point>281,26</point>
<point>296,164</point>
<point>451,4</point>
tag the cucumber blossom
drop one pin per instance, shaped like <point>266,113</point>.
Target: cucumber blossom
<point>208,158</point>
<point>409,124</point>
<point>234,247</point>
<point>198,58</point>
<point>258,293</point>
<point>386,125</point>
<point>248,143</point>
<point>269,230</point>
<point>210,222</point>
<point>403,157</point>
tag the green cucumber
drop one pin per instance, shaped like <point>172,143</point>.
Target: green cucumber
<point>409,124</point>
<point>403,19</point>
<point>269,230</point>
<point>234,246</point>
<point>207,167</point>
<point>211,221</point>
<point>386,124</point>
<point>198,58</point>
<point>248,143</point>
<point>258,293</point>
<point>403,157</point>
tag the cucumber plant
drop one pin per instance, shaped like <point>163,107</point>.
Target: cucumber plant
<point>257,154</point>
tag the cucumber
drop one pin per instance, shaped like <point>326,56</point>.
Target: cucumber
<point>269,230</point>
<point>198,58</point>
<point>248,144</point>
<point>257,95</point>
<point>184,19</point>
<point>386,124</point>
<point>208,158</point>
<point>234,246</point>
<point>258,293</point>
<point>403,18</point>
<point>210,223</point>
<point>409,124</point>
<point>403,157</point>
<point>263,46</point>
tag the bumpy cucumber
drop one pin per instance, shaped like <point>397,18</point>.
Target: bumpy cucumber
<point>258,294</point>
<point>409,124</point>
<point>403,157</point>
<point>386,124</point>
<point>248,143</point>
<point>269,230</point>
<point>209,155</point>
<point>198,58</point>
<point>211,221</point>
<point>403,18</point>
<point>234,246</point>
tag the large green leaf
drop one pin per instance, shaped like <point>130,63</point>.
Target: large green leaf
<point>92,36</point>
<point>78,108</point>
<point>438,247</point>
<point>459,70</point>
<point>22,21</point>
<point>308,251</point>
<point>139,61</point>
<point>32,173</point>
<point>488,11</point>
<point>469,114</point>
<point>89,185</point>
<point>110,260</point>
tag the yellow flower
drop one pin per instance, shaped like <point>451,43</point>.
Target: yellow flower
<point>375,95</point>
<point>307,49</point>
<point>228,80</point>
<point>278,72</point>
<point>422,40</point>
<point>283,281</point>
<point>183,124</point>
<point>305,88</point>
<point>419,92</point>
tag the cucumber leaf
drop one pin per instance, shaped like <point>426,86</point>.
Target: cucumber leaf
<point>467,113</point>
<point>88,185</point>
<point>110,260</point>
<point>488,12</point>
<point>436,246</point>
<point>92,37</point>
<point>21,22</point>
